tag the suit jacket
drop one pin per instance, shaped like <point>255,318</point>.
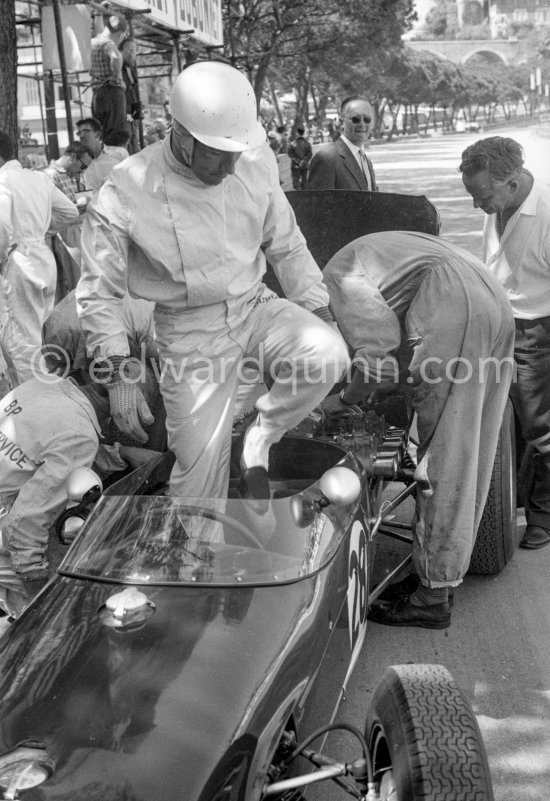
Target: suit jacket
<point>334,166</point>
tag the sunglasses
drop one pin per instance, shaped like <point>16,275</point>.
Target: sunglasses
<point>84,130</point>
<point>357,118</point>
<point>83,165</point>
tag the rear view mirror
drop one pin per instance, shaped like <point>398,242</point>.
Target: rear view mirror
<point>81,483</point>
<point>84,488</point>
<point>339,486</point>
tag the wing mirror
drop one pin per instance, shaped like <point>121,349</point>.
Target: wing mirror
<point>82,483</point>
<point>84,488</point>
<point>339,486</point>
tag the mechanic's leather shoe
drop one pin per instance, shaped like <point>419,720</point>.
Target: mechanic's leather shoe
<point>405,588</point>
<point>400,589</point>
<point>535,537</point>
<point>403,613</point>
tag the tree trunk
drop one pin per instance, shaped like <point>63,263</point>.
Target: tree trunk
<point>8,70</point>
<point>261,76</point>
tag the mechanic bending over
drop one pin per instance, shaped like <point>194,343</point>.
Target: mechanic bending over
<point>184,223</point>
<point>436,308</point>
<point>48,427</point>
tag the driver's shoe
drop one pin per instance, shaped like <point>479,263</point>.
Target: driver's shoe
<point>402,613</point>
<point>255,483</point>
<point>253,461</point>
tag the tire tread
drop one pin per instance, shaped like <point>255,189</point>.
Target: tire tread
<point>445,753</point>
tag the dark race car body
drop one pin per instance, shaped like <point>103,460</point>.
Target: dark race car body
<point>192,649</point>
<point>189,694</point>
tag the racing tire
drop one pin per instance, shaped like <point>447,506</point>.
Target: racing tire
<point>497,536</point>
<point>424,739</point>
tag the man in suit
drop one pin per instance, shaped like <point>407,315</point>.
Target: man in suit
<point>343,164</point>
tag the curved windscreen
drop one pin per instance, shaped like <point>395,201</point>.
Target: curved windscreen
<point>144,539</point>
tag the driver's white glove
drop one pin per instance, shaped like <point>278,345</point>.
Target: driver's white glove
<point>129,409</point>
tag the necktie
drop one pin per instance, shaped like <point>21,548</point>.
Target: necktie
<point>364,165</point>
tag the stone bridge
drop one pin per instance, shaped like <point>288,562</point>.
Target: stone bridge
<point>507,51</point>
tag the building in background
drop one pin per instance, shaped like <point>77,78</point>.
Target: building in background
<point>172,33</point>
<point>506,16</point>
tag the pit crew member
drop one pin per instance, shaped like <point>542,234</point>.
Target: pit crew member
<point>516,249</point>
<point>412,299</point>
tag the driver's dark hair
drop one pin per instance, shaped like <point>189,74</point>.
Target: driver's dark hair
<point>7,149</point>
<point>499,156</point>
<point>78,149</point>
<point>92,123</point>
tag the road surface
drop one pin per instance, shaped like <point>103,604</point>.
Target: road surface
<point>429,166</point>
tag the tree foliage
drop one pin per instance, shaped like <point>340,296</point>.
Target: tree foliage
<point>324,46</point>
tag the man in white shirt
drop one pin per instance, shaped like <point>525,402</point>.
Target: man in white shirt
<point>106,157</point>
<point>344,164</point>
<point>516,243</point>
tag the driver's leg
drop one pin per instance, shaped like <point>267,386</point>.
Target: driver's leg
<point>302,358</point>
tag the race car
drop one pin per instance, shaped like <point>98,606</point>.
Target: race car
<point>186,650</point>
<point>198,649</point>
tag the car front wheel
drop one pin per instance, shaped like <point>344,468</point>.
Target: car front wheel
<point>424,739</point>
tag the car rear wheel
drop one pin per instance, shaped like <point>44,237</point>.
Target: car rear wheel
<point>424,739</point>
<point>497,536</point>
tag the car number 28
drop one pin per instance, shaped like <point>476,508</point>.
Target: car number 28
<point>357,585</point>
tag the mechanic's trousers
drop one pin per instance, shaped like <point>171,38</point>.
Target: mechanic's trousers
<point>530,395</point>
<point>29,292</point>
<point>202,364</point>
<point>462,332</point>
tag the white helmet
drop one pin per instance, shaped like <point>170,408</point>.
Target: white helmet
<point>217,105</point>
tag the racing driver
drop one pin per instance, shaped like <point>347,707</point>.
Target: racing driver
<point>185,223</point>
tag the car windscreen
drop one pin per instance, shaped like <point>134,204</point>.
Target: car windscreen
<point>144,539</point>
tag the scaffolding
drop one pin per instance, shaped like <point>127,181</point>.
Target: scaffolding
<point>163,51</point>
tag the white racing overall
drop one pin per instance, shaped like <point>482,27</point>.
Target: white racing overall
<point>197,251</point>
<point>47,429</point>
<point>30,206</point>
<point>401,288</point>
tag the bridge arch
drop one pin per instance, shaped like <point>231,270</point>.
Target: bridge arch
<point>499,51</point>
<point>492,56</point>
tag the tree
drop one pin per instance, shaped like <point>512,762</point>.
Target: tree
<point>313,45</point>
<point>441,21</point>
<point>8,69</point>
